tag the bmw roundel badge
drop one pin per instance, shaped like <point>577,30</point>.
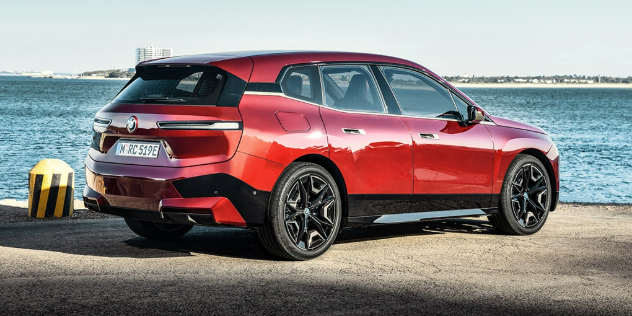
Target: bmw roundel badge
<point>132,124</point>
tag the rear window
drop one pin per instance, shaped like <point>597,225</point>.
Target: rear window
<point>182,84</point>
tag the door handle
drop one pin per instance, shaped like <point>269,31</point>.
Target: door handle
<point>353,131</point>
<point>429,136</point>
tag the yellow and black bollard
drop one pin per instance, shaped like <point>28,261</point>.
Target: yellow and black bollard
<point>51,189</point>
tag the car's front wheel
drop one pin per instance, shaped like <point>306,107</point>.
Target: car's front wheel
<point>304,213</point>
<point>157,231</point>
<point>525,198</point>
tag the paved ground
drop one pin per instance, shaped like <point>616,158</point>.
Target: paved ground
<point>579,264</point>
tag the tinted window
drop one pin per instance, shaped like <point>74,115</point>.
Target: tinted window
<point>419,95</point>
<point>351,88</point>
<point>302,83</point>
<point>192,85</point>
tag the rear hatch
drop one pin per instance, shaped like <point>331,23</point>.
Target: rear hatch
<point>173,116</point>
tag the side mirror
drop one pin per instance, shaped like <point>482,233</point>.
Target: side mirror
<point>474,115</point>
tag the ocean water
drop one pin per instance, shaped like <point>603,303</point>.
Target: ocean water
<point>52,118</point>
<point>592,128</point>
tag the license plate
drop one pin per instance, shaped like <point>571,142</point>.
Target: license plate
<point>137,149</point>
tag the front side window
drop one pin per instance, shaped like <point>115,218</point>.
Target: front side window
<point>419,95</point>
<point>302,83</point>
<point>190,85</point>
<point>351,88</point>
<point>460,104</point>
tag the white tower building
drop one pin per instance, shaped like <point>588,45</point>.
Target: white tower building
<point>152,52</point>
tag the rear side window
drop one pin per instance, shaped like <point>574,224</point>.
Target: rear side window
<point>302,83</point>
<point>175,84</point>
<point>351,88</point>
<point>419,95</point>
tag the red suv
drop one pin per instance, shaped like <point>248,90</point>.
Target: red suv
<point>299,144</point>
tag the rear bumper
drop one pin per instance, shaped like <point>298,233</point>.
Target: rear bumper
<point>200,195</point>
<point>191,211</point>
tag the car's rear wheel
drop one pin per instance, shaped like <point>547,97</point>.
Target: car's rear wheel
<point>157,231</point>
<point>525,198</point>
<point>304,213</point>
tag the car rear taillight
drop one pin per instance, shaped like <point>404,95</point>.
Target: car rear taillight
<point>98,127</point>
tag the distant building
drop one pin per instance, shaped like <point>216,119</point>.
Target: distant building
<point>152,52</point>
<point>500,80</point>
<point>534,81</point>
<point>520,80</point>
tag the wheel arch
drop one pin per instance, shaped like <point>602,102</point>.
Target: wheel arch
<point>331,167</point>
<point>549,169</point>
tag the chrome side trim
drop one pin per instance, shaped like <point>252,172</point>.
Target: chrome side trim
<point>199,125</point>
<point>413,217</point>
<point>280,94</point>
<point>429,136</point>
<point>353,131</point>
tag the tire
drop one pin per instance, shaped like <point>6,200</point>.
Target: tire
<point>524,205</point>
<point>157,231</point>
<point>304,213</point>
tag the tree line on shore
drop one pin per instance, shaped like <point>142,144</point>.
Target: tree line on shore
<point>112,73</point>
<point>542,79</point>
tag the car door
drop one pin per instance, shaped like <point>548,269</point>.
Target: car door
<point>453,161</point>
<point>372,150</point>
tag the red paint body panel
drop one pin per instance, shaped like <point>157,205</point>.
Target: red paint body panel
<point>554,158</point>
<point>258,173</point>
<point>514,124</point>
<point>378,162</point>
<point>264,137</point>
<point>459,161</point>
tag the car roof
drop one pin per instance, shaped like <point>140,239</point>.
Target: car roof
<point>265,65</point>
<point>292,56</point>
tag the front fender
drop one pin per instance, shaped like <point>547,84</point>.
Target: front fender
<point>508,143</point>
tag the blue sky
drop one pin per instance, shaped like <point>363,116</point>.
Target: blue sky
<point>449,37</point>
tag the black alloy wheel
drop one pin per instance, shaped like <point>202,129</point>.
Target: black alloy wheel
<point>304,214</point>
<point>525,199</point>
<point>309,208</point>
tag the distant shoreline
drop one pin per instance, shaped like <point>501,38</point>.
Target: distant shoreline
<point>67,77</point>
<point>543,85</point>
